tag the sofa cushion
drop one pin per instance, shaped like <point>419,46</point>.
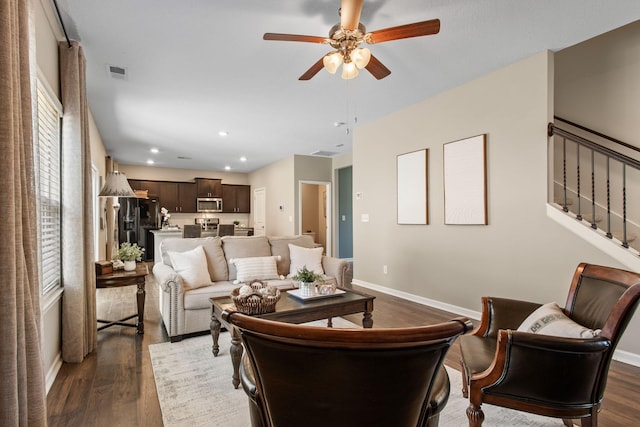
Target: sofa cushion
<point>280,246</point>
<point>198,299</point>
<point>244,247</point>
<point>549,319</point>
<point>309,257</point>
<point>255,268</point>
<point>216,262</point>
<point>191,266</point>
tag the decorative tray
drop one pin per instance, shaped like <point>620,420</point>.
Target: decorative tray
<point>297,293</point>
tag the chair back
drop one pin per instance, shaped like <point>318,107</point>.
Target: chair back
<point>191,230</point>
<point>311,376</point>
<point>603,298</point>
<point>226,230</point>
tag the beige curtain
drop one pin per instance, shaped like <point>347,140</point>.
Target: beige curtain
<point>79,329</point>
<point>22,389</point>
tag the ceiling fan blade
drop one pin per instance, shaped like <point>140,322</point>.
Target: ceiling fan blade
<point>417,29</point>
<point>377,68</point>
<point>313,70</point>
<point>350,14</point>
<point>293,38</point>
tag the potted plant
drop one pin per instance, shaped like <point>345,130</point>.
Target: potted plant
<point>129,254</point>
<point>306,278</point>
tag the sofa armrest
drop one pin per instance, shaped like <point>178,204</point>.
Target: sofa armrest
<point>171,298</point>
<point>338,268</point>
<point>164,276</point>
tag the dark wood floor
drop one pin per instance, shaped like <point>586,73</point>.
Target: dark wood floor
<point>114,386</point>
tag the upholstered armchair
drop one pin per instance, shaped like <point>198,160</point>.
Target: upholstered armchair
<point>297,375</point>
<point>555,376</point>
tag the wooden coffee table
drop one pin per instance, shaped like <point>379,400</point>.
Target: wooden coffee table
<point>290,310</point>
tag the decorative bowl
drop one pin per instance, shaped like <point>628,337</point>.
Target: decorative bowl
<point>260,299</point>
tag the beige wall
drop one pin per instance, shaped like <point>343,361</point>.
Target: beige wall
<point>184,175</point>
<point>597,83</point>
<point>521,253</point>
<point>277,180</point>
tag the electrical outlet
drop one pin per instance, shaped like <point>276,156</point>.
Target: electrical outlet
<point>384,269</point>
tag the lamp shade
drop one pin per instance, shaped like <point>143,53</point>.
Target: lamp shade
<point>116,185</point>
<point>349,70</point>
<point>361,57</point>
<point>332,61</point>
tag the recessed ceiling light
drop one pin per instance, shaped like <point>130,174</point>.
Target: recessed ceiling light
<point>150,162</point>
<point>223,133</point>
<point>227,168</point>
<point>154,150</point>
<point>243,159</point>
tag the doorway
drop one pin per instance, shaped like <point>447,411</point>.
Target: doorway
<point>344,179</point>
<point>315,212</point>
<point>259,210</point>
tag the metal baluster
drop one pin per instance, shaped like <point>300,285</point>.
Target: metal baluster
<point>593,191</point>
<point>624,206</point>
<point>564,173</point>
<point>609,235</point>
<point>579,215</point>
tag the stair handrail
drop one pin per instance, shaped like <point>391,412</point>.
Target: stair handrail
<point>554,130</point>
<point>595,132</point>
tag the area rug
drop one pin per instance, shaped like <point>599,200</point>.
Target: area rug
<point>194,389</point>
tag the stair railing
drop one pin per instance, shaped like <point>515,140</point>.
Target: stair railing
<point>610,155</point>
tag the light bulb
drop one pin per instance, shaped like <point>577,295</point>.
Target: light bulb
<point>332,61</point>
<point>349,70</point>
<point>361,57</point>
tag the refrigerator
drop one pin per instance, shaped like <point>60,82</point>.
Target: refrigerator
<point>136,219</point>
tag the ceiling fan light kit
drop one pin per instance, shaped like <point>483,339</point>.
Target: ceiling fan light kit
<point>346,38</point>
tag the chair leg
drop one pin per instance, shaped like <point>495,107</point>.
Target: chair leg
<point>465,384</point>
<point>591,421</point>
<point>567,422</point>
<point>475,415</point>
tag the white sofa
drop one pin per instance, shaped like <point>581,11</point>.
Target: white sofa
<point>184,301</point>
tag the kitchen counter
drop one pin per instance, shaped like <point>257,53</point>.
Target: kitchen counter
<point>166,233</point>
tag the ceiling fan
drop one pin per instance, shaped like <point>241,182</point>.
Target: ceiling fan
<point>346,37</point>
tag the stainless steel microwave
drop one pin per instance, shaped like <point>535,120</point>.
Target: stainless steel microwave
<point>209,204</point>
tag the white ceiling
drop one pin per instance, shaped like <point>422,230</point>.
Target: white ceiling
<point>196,67</point>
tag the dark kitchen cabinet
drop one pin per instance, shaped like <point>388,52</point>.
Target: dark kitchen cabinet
<point>152,187</point>
<point>207,187</point>
<point>177,196</point>
<point>236,198</point>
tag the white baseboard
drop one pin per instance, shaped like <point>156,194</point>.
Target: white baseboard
<point>619,355</point>
<point>53,371</point>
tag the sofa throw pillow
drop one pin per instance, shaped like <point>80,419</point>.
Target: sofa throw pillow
<point>192,267</point>
<point>280,246</point>
<point>549,319</point>
<point>255,268</point>
<point>310,257</point>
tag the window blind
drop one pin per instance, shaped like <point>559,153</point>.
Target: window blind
<point>47,152</point>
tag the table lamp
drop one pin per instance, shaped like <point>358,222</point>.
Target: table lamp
<point>116,185</point>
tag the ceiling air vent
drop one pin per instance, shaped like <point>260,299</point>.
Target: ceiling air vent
<point>323,153</point>
<point>116,72</point>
